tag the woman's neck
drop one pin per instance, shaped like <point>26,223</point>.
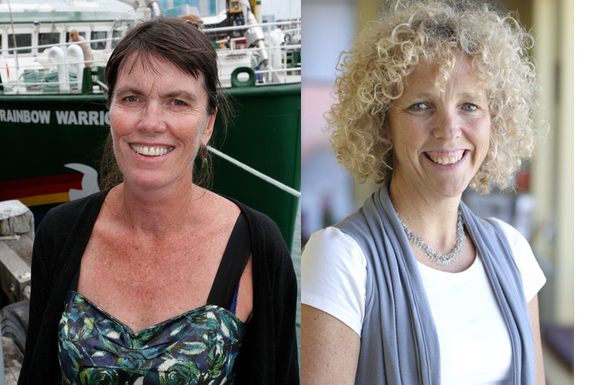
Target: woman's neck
<point>434,220</point>
<point>159,211</point>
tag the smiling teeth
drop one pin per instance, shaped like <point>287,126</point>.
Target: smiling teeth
<point>446,161</point>
<point>151,151</point>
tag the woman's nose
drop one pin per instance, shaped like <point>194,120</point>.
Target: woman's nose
<point>447,125</point>
<point>152,119</point>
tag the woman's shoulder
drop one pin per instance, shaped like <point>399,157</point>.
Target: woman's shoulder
<point>266,237</point>
<point>516,240</point>
<point>66,214</point>
<point>258,221</point>
<point>533,277</point>
<point>332,248</point>
<point>334,276</point>
<point>331,240</point>
<point>64,223</point>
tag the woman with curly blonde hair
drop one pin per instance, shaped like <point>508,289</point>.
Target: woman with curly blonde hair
<point>413,288</point>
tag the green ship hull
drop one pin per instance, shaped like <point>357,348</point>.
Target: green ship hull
<point>42,134</point>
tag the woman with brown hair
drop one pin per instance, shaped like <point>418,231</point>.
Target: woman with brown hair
<point>157,280</point>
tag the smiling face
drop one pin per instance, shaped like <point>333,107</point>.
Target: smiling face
<point>158,122</point>
<point>440,133</point>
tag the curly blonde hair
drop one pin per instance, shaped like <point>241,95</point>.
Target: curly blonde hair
<point>373,72</point>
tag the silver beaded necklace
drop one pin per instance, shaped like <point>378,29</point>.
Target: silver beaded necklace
<point>440,259</point>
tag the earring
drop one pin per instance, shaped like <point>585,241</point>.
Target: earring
<point>204,162</point>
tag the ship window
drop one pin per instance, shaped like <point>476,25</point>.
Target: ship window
<point>45,38</point>
<point>22,40</point>
<point>98,35</point>
<point>116,38</point>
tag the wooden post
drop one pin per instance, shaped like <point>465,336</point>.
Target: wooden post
<point>16,219</point>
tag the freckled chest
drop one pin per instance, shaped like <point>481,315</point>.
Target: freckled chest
<point>143,281</point>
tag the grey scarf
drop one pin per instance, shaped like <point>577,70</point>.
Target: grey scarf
<point>399,343</point>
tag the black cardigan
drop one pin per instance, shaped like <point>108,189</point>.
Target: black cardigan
<point>269,351</point>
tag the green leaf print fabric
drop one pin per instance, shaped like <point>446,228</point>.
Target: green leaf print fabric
<point>198,347</point>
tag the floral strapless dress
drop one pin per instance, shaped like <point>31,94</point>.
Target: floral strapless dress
<point>198,347</point>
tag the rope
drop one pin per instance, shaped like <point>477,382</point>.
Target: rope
<point>33,78</point>
<point>266,178</point>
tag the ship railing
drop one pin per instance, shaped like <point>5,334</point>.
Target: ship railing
<point>45,46</point>
<point>270,47</point>
<point>31,64</point>
<point>29,67</point>
<point>63,45</point>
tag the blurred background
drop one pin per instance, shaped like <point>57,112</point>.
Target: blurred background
<point>541,205</point>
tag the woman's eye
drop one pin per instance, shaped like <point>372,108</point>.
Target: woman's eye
<point>418,106</point>
<point>469,107</point>
<point>131,99</point>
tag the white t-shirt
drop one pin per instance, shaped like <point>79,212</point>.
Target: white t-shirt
<point>474,342</point>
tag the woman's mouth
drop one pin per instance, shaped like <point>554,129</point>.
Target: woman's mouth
<point>445,159</point>
<point>152,150</point>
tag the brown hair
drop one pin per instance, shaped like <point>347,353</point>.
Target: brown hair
<point>181,43</point>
